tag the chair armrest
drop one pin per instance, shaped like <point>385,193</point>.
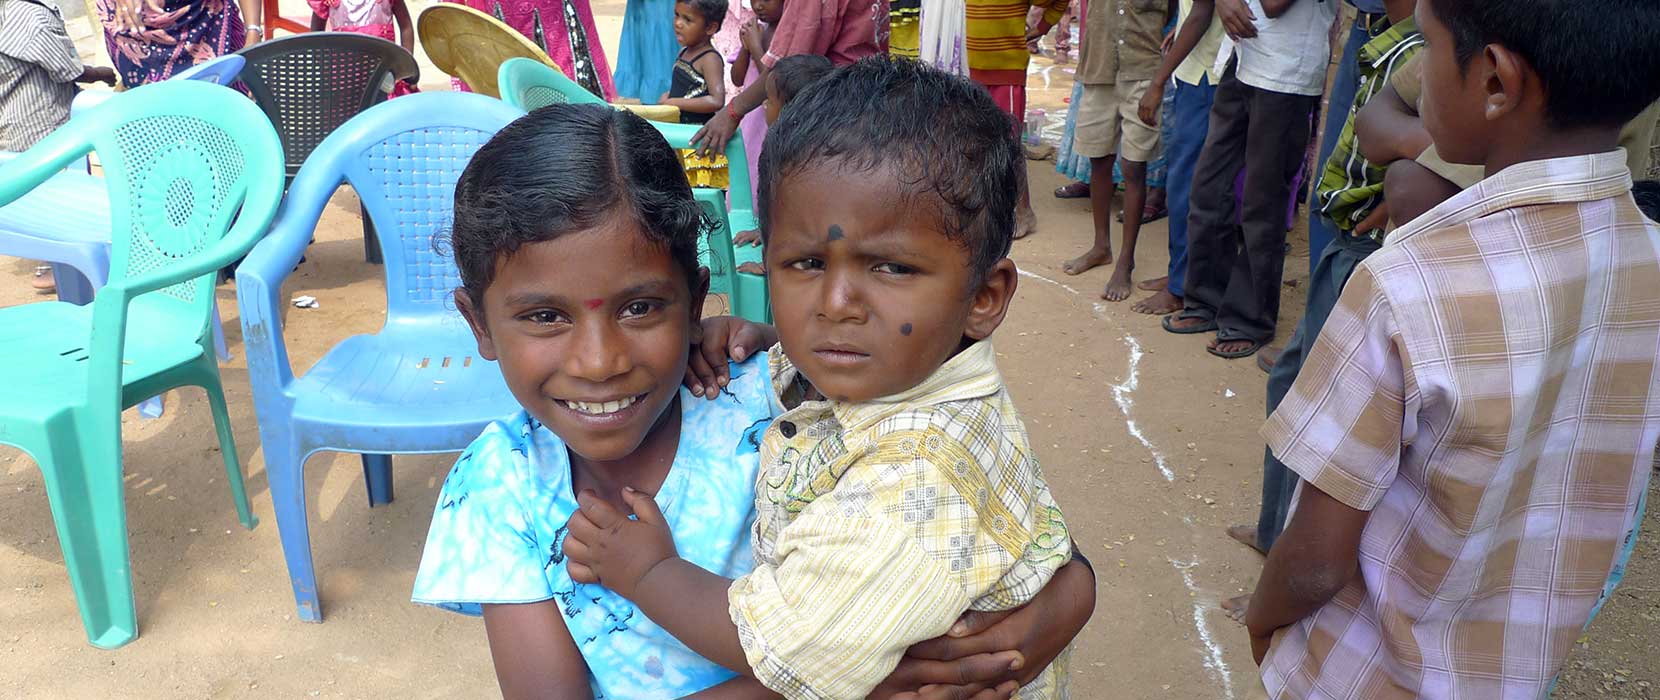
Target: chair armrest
<point>23,172</point>
<point>260,276</point>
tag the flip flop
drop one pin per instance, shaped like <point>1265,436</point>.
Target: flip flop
<point>1237,354</point>
<point>1072,190</point>
<point>1169,324</point>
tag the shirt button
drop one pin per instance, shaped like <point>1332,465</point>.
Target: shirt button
<point>787,428</point>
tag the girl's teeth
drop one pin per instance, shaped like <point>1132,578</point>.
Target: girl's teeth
<point>600,409</point>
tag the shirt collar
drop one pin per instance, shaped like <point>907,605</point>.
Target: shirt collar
<point>1566,180</point>
<point>971,374</point>
<point>1381,48</point>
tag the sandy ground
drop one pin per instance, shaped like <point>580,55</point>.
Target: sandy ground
<point>1149,442</point>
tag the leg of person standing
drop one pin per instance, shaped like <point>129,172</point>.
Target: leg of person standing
<point>1274,151</point>
<point>1189,125</point>
<point>1213,234</point>
<point>1343,87</point>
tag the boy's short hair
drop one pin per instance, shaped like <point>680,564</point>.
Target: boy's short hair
<point>1647,194</point>
<point>792,74</point>
<point>713,11</point>
<point>1599,60</point>
<point>939,134</point>
<point>568,168</point>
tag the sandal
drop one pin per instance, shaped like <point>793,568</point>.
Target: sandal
<point>44,282</point>
<point>1169,324</point>
<point>1072,190</point>
<point>1247,351</point>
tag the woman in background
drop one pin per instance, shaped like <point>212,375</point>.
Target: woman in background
<point>150,40</point>
<point>565,30</point>
<point>646,53</point>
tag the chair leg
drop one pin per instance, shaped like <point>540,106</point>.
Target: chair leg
<point>73,287</point>
<point>285,470</point>
<point>220,349</point>
<point>371,240</point>
<point>227,450</point>
<point>83,485</point>
<point>377,471</point>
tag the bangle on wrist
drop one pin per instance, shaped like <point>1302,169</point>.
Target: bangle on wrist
<point>732,109</point>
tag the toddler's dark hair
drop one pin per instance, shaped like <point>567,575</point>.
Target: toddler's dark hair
<point>792,74</point>
<point>713,11</point>
<point>1599,60</point>
<point>938,134</point>
<point>1647,194</point>
<point>564,169</point>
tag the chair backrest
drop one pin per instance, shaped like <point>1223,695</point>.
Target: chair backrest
<point>182,160</point>
<point>310,84</point>
<point>530,85</point>
<point>403,158</point>
<point>219,71</point>
<point>737,158</point>
<point>472,45</point>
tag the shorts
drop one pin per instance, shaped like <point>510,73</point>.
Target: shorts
<point>1012,100</point>
<point>1106,115</point>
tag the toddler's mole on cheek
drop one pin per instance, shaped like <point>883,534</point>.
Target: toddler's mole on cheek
<point>905,329</point>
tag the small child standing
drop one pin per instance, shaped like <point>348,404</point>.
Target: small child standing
<point>788,78</point>
<point>372,17</point>
<point>997,59</point>
<point>697,85</point>
<point>1116,64</point>
<point>1476,423</point>
<point>898,489</point>
<point>753,39</point>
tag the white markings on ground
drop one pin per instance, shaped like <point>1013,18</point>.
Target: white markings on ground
<point>1121,395</point>
<point>1213,658</point>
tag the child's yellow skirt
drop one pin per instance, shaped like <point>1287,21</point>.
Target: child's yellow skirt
<point>705,172</point>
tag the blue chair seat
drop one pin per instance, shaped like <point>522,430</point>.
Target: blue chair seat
<point>437,394</point>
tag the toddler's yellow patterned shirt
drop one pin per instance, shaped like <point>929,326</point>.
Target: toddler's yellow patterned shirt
<point>879,523</point>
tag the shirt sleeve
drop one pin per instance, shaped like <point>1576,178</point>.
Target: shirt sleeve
<point>805,28</point>
<point>1342,425</point>
<point>891,557</point>
<point>1409,81</point>
<point>32,34</point>
<point>482,545</point>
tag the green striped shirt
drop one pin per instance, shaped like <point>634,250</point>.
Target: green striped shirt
<point>1351,187</point>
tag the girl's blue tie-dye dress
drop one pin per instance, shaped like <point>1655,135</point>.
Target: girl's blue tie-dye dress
<point>500,522</point>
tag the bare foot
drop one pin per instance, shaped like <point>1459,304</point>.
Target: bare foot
<point>1159,304</point>
<point>1267,357</point>
<point>1091,259</point>
<point>1154,285</point>
<point>1246,535</point>
<point>753,268</point>
<point>1236,606</point>
<point>1025,223</point>
<point>1118,288</point>
<point>44,282</point>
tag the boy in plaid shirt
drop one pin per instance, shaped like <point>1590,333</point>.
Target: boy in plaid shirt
<point>1475,424</point>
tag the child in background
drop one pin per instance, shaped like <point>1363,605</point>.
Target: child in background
<point>997,60</point>
<point>786,80</point>
<point>898,490</point>
<point>372,17</point>
<point>698,87</point>
<point>1476,423</point>
<point>1116,64</point>
<point>754,38</point>
<point>588,295</point>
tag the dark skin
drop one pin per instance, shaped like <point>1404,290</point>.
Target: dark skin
<point>755,36</point>
<point>843,291</point>
<point>694,32</point>
<point>97,74</point>
<point>1490,111</point>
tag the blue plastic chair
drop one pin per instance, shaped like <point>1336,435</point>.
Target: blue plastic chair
<point>184,160</point>
<point>416,387</point>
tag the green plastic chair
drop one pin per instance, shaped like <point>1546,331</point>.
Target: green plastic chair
<point>182,162</point>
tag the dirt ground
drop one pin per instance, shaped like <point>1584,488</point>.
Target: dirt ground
<point>1149,442</point>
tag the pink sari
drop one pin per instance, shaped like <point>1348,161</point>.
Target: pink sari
<point>564,29</point>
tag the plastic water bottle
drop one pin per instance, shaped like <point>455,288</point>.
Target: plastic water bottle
<point>1035,119</point>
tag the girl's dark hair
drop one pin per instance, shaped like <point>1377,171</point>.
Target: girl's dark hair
<point>1647,194</point>
<point>1599,60</point>
<point>937,133</point>
<point>713,11</point>
<point>792,74</point>
<point>569,168</point>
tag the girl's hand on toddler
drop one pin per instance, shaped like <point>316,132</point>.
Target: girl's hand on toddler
<point>605,546</point>
<point>723,338</point>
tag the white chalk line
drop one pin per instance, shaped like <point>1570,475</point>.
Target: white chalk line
<point>1121,393</point>
<point>1213,661</point>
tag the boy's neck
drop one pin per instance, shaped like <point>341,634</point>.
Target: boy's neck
<point>1545,143</point>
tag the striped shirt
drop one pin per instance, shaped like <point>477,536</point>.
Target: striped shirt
<point>1487,388</point>
<point>1351,187</point>
<point>996,41</point>
<point>38,68</point>
<point>879,523</point>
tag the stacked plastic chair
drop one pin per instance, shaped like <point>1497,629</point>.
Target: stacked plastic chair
<point>417,386</point>
<point>193,175</point>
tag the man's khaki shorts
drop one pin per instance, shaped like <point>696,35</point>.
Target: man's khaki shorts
<point>1108,112</point>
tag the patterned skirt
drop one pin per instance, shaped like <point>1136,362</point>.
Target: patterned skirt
<point>182,34</point>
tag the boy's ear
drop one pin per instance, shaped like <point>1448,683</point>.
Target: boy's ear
<point>1509,83</point>
<point>475,321</point>
<point>700,294</point>
<point>991,300</point>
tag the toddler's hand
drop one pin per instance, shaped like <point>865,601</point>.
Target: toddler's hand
<point>750,237</point>
<point>604,546</point>
<point>724,338</point>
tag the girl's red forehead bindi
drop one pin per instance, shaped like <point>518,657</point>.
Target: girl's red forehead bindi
<point>593,303</point>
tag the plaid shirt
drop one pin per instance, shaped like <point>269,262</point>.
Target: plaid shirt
<point>879,523</point>
<point>1351,187</point>
<point>1487,388</point>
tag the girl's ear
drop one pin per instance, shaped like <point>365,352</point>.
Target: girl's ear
<point>475,321</point>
